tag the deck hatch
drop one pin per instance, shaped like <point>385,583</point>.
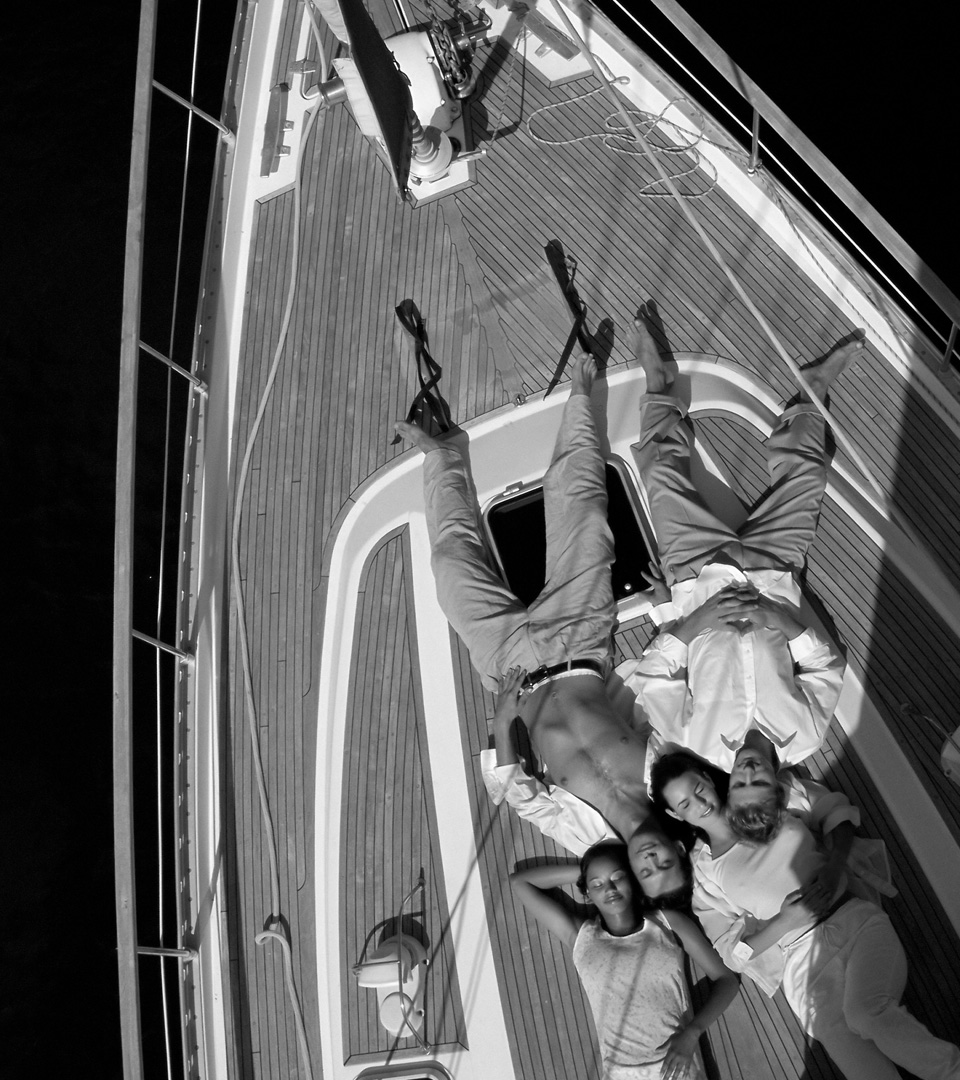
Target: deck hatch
<point>422,1070</point>
<point>515,529</point>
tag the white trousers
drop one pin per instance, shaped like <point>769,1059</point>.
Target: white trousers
<point>844,981</point>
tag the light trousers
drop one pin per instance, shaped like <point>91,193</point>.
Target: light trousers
<point>844,981</point>
<point>574,616</point>
<point>781,526</point>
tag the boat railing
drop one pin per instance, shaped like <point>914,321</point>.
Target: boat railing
<point>160,421</point>
<point>774,143</point>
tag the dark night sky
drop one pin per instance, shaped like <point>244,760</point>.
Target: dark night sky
<point>66,128</point>
<point>67,144</point>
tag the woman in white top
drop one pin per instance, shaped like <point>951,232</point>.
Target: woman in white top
<point>782,913</point>
<point>631,965</point>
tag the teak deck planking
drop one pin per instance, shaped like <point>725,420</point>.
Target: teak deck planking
<point>496,320</point>
<point>388,832</point>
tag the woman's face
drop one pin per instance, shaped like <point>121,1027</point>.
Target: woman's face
<point>609,885</point>
<point>692,797</point>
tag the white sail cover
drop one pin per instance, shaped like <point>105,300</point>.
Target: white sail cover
<point>332,16</point>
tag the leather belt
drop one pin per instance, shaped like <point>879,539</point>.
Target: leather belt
<point>544,674</point>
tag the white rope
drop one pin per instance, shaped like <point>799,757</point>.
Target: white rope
<point>275,930</point>
<point>272,935</point>
<point>677,62</point>
<point>318,38</point>
<point>886,509</point>
<point>619,138</point>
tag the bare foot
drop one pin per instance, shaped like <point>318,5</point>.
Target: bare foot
<point>583,371</point>
<point>416,435</point>
<point>644,348</point>
<point>822,373</point>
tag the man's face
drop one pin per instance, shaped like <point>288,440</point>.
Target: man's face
<point>753,779</point>
<point>655,861</point>
<point>692,797</point>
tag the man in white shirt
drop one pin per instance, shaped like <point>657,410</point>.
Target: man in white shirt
<point>548,662</point>
<point>734,670</point>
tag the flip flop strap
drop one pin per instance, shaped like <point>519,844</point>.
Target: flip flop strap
<point>412,323</point>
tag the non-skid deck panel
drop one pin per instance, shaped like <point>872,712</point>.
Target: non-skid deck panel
<point>284,55</point>
<point>389,827</point>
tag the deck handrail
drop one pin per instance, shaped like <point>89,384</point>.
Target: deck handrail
<point>819,164</point>
<point>132,351</point>
<point>124,869</point>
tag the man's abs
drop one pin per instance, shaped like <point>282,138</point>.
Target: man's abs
<point>585,744</point>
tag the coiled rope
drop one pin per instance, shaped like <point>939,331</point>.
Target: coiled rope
<point>618,136</point>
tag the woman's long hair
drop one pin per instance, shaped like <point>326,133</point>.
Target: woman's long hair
<point>669,767</point>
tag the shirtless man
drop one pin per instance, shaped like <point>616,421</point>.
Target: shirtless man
<point>548,662</point>
<point>735,675</point>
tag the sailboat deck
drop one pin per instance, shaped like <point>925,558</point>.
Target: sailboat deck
<point>474,265</point>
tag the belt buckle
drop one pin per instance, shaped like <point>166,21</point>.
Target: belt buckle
<point>533,677</point>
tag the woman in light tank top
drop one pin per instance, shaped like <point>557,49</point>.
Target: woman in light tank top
<point>631,965</point>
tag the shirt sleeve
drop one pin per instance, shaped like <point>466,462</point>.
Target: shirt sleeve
<point>869,870</point>
<point>819,676</point>
<point>555,812</point>
<point>819,808</point>
<point>659,680</point>
<point>664,613</point>
<point>726,928</point>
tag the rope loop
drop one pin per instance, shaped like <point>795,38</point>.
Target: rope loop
<point>620,135</point>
